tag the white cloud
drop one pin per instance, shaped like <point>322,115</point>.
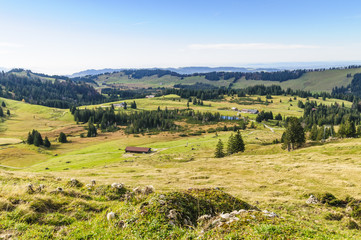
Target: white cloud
<point>249,46</point>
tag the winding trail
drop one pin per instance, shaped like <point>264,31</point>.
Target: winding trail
<point>269,127</point>
<point>4,166</point>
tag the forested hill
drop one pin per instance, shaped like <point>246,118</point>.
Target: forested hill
<point>45,91</point>
<point>316,80</point>
<point>211,76</point>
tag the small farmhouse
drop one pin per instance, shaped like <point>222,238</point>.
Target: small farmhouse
<point>252,111</point>
<point>137,150</point>
<point>119,104</point>
<point>150,96</point>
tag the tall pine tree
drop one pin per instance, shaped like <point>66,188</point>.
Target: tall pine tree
<point>219,150</point>
<point>294,134</point>
<point>231,145</point>
<point>238,142</point>
<point>47,142</point>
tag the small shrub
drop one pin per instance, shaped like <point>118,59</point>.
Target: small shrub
<point>211,130</point>
<point>356,212</point>
<point>5,205</point>
<point>333,216</point>
<point>331,200</point>
<point>352,225</point>
<point>42,205</point>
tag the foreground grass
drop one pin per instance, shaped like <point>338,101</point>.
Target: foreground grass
<point>80,212</point>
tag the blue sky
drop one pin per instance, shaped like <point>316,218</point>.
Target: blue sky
<point>62,37</point>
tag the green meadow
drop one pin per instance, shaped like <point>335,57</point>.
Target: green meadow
<point>264,176</point>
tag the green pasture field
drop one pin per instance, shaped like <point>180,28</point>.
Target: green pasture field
<point>265,175</point>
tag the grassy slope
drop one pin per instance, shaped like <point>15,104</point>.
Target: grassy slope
<point>50,122</point>
<point>154,81</point>
<point>25,117</point>
<point>313,81</point>
<point>276,179</point>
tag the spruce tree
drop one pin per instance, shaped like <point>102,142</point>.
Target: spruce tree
<point>350,129</point>
<point>314,132</point>
<point>30,139</point>
<point>238,141</point>
<point>92,131</point>
<point>3,104</point>
<point>103,123</point>
<point>62,138</point>
<point>47,142</point>
<point>320,133</point>
<point>294,135</point>
<point>1,112</point>
<point>341,130</point>
<point>8,112</point>
<point>194,101</point>
<point>219,150</point>
<point>231,145</point>
<point>278,117</point>
<point>38,140</point>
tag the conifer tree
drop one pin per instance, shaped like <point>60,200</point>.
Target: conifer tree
<point>8,112</point>
<point>320,133</point>
<point>341,130</point>
<point>47,142</point>
<point>3,104</point>
<point>62,138</point>
<point>314,132</point>
<point>92,131</point>
<point>294,134</point>
<point>133,105</point>
<point>238,142</point>
<point>219,150</point>
<point>30,139</point>
<point>350,129</point>
<point>103,123</point>
<point>231,145</point>
<point>38,140</point>
<point>1,112</point>
<point>194,101</point>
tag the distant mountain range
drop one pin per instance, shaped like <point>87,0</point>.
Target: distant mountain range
<point>182,70</point>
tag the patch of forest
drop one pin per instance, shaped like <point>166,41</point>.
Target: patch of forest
<point>59,94</point>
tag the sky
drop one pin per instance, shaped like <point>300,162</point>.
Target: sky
<point>66,36</point>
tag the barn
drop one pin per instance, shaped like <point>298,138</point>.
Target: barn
<point>137,150</point>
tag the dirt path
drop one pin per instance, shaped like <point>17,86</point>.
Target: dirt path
<point>269,127</point>
<point>4,166</point>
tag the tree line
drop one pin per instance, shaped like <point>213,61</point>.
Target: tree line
<point>59,94</point>
<point>140,121</point>
<point>321,114</point>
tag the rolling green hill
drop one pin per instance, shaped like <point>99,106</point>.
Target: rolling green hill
<point>315,81</point>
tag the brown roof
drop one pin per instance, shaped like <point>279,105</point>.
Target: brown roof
<point>137,149</point>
